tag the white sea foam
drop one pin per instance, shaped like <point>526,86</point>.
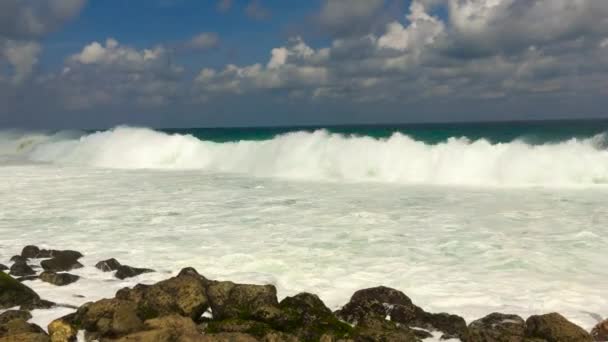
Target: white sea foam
<point>321,155</point>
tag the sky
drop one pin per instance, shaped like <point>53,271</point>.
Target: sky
<point>209,63</point>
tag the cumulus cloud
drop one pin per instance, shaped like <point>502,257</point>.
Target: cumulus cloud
<point>27,19</point>
<point>203,41</point>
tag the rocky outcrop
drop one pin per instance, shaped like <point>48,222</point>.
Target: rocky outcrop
<point>230,300</point>
<point>554,327</point>
<point>108,265</point>
<point>497,327</point>
<point>600,331</point>
<point>62,261</point>
<point>124,271</point>
<point>59,279</point>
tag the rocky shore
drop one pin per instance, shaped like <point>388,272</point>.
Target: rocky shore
<point>190,307</point>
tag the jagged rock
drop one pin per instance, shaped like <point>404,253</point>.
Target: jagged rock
<point>19,326</point>
<point>59,279</point>
<point>124,271</point>
<point>497,327</point>
<point>230,300</point>
<point>62,261</point>
<point>108,317</point>
<point>10,315</point>
<point>62,329</point>
<point>21,268</point>
<point>168,328</point>
<point>13,293</point>
<point>183,295</point>
<point>3,267</point>
<point>553,327</point>
<point>372,329</point>
<point>26,337</point>
<point>600,331</point>
<point>108,265</point>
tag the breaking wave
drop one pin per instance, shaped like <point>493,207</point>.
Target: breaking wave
<point>322,155</point>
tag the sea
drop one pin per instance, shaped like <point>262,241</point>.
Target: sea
<point>465,218</point>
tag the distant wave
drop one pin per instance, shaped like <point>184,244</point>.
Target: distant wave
<point>321,155</point>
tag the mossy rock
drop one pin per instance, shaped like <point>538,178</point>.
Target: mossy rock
<point>13,293</point>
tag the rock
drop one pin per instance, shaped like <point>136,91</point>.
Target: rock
<point>452,326</point>
<point>168,328</point>
<point>27,278</point>
<point>228,337</point>
<point>62,261</point>
<point>30,251</point>
<point>182,295</point>
<point>13,293</point>
<point>497,327</point>
<point>554,327</point>
<point>59,279</point>
<point>16,258</point>
<point>19,326</point>
<point>21,268</point>
<point>108,265</point>
<point>10,315</point>
<point>26,337</point>
<point>3,267</point>
<point>108,317</point>
<point>374,329</point>
<point>600,331</point>
<point>124,271</point>
<point>40,304</point>
<point>230,300</point>
<point>62,329</point>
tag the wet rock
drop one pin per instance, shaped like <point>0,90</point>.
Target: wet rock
<point>452,326</point>
<point>13,293</point>
<point>497,327</point>
<point>3,267</point>
<point>230,300</point>
<point>39,304</point>
<point>62,261</point>
<point>27,278</point>
<point>62,329</point>
<point>30,251</point>
<point>228,337</point>
<point>183,295</point>
<point>26,337</point>
<point>108,318</point>
<point>600,331</point>
<point>554,327</point>
<point>21,268</point>
<point>108,265</point>
<point>59,279</point>
<point>19,326</point>
<point>10,315</point>
<point>34,252</point>
<point>16,258</point>
<point>168,328</point>
<point>372,329</point>
<point>124,271</point>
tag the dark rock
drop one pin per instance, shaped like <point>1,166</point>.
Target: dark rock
<point>39,304</point>
<point>30,251</point>
<point>554,327</point>
<point>124,271</point>
<point>63,261</point>
<point>452,326</point>
<point>232,337</point>
<point>372,329</point>
<point>254,328</point>
<point>27,278</point>
<point>59,279</point>
<point>13,293</point>
<point>497,327</point>
<point>3,267</point>
<point>19,326</point>
<point>26,337</point>
<point>108,265</point>
<point>10,315</point>
<point>17,258</point>
<point>600,331</point>
<point>20,269</point>
<point>63,329</point>
<point>230,300</point>
<point>182,295</point>
<point>108,318</point>
<point>168,328</point>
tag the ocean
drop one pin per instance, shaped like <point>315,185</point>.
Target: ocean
<point>467,218</point>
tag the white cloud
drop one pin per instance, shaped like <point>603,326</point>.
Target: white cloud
<point>118,55</point>
<point>204,41</point>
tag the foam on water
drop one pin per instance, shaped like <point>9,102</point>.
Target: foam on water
<point>468,250</point>
<point>325,156</point>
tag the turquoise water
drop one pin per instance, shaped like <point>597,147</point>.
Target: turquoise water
<point>533,132</point>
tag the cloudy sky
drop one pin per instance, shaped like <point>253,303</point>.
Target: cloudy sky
<point>185,63</point>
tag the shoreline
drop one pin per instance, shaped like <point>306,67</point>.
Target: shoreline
<point>207,310</point>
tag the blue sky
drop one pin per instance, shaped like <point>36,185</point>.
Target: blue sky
<point>79,63</point>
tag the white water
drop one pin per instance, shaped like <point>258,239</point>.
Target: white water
<point>468,249</point>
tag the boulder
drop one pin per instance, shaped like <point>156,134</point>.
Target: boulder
<point>230,300</point>
<point>10,315</point>
<point>108,265</point>
<point>62,329</point>
<point>124,271</point>
<point>600,331</point>
<point>62,261</point>
<point>27,278</point>
<point>16,258</point>
<point>497,327</point>
<point>13,293</point>
<point>373,329</point>
<point>26,337</point>
<point>19,326</point>
<point>553,327</point>
<point>30,252</point>
<point>20,268</point>
<point>3,267</point>
<point>168,328</point>
<point>229,337</point>
<point>59,279</point>
<point>183,295</point>
<point>107,318</point>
